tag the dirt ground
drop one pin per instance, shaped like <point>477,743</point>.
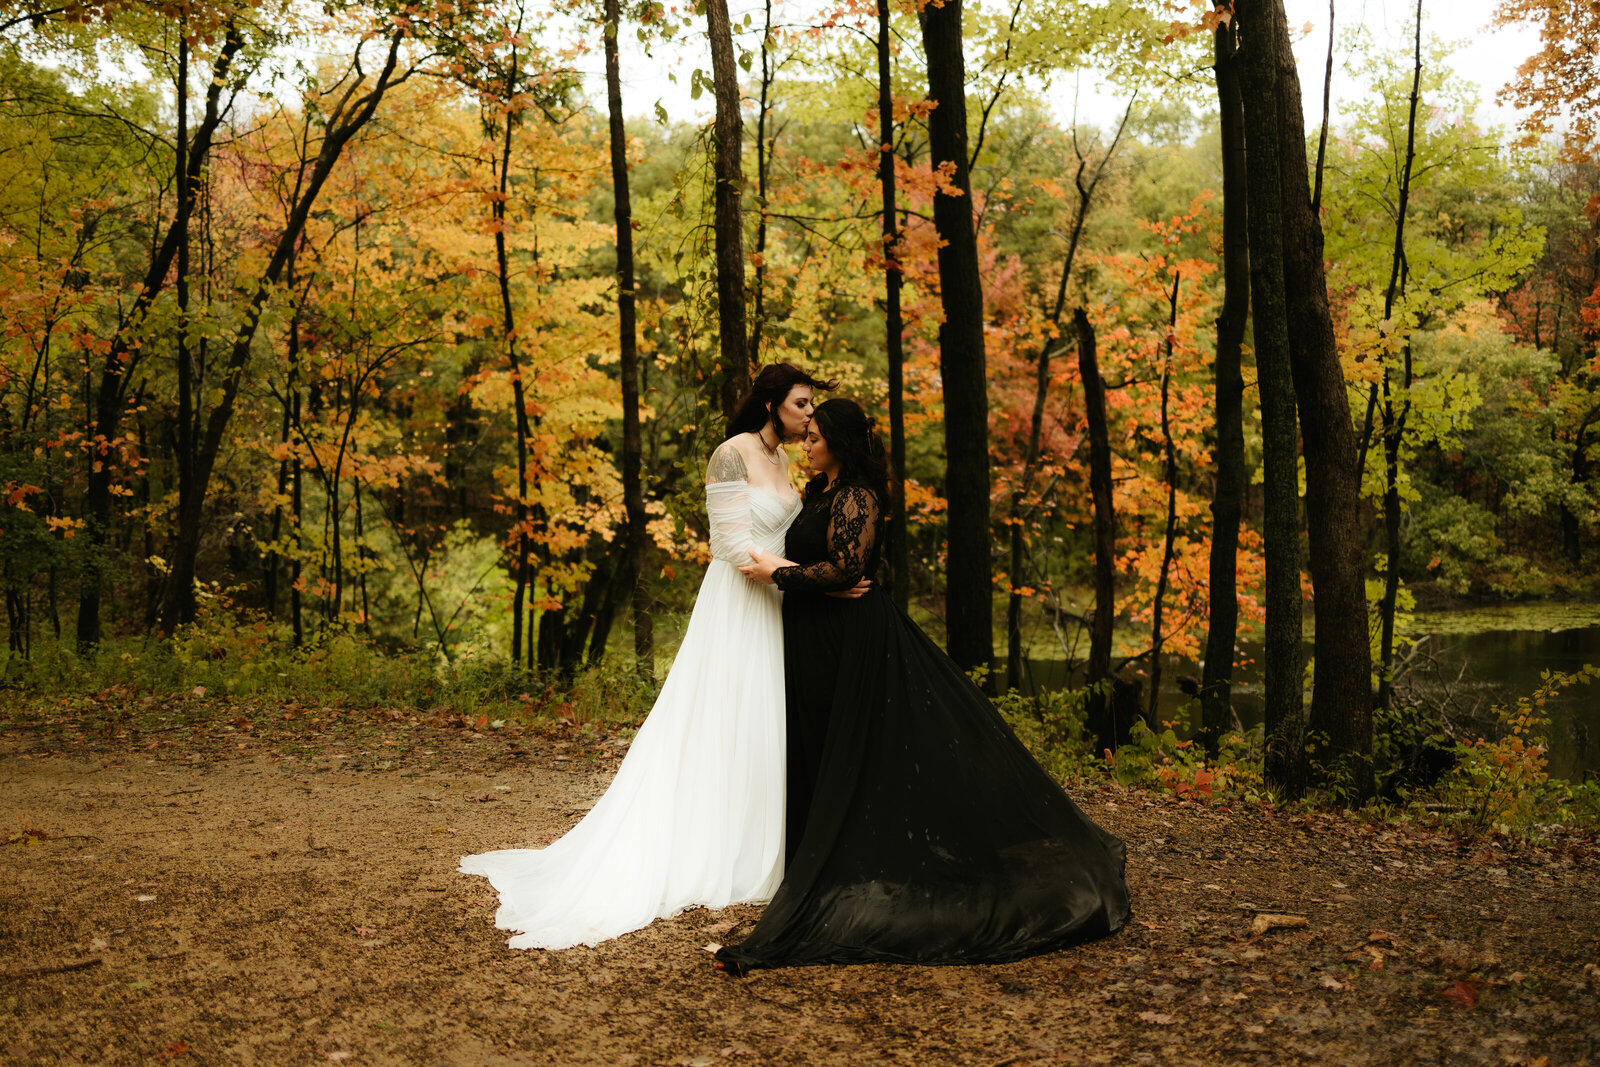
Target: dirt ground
<point>229,893</point>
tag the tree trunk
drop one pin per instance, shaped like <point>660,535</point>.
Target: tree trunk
<point>124,355</point>
<point>297,506</point>
<point>508,326</point>
<point>180,222</point>
<point>1260,76</point>
<point>272,560</point>
<point>552,638</point>
<point>1227,502</point>
<point>1101,721</point>
<point>1341,702</point>
<point>968,606</point>
<point>893,324</point>
<point>638,537</point>
<point>728,219</point>
<point>1170,475</point>
<point>764,150</point>
<point>351,114</point>
<point>599,593</point>
<point>1041,390</point>
<point>1394,421</point>
<point>1571,530</point>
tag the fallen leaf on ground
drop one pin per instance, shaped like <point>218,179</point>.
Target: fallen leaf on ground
<point>1271,921</point>
<point>1461,993</point>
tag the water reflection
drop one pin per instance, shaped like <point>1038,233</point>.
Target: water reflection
<point>1479,658</point>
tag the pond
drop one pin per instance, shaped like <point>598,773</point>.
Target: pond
<point>1481,657</point>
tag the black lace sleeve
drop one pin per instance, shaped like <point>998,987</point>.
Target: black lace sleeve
<point>853,528</point>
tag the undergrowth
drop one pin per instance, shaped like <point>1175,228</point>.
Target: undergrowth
<point>256,660</point>
<point>1486,784</point>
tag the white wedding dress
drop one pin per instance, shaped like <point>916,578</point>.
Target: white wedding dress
<point>695,813</point>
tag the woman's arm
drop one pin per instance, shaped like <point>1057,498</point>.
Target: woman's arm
<point>852,534</point>
<point>728,504</point>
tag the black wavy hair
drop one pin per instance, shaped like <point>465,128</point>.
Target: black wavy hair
<point>769,390</point>
<point>852,437</point>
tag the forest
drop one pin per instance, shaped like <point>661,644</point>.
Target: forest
<point>374,349</point>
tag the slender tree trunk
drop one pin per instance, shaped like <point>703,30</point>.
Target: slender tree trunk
<point>271,561</point>
<point>117,370</point>
<point>363,554</point>
<point>1394,421</point>
<point>1571,530</point>
<point>508,326</point>
<point>728,219</point>
<point>764,150</point>
<point>1105,537</point>
<point>1341,704</point>
<point>893,324</point>
<point>334,524</point>
<point>1259,77</point>
<point>287,438</point>
<point>1227,503</point>
<point>297,506</point>
<point>638,536</point>
<point>1041,391</point>
<point>186,423</point>
<point>1170,475</point>
<point>1322,133</point>
<point>599,593</point>
<point>969,608</point>
<point>16,624</point>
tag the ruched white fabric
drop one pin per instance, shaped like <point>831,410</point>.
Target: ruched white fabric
<point>695,813</point>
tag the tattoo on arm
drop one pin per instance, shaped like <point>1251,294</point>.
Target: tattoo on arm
<point>726,465</point>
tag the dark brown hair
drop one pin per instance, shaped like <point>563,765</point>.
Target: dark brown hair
<point>853,439</point>
<point>769,390</point>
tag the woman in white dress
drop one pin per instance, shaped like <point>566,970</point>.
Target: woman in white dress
<point>695,815</point>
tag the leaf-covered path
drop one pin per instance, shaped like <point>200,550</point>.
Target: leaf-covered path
<point>231,899</point>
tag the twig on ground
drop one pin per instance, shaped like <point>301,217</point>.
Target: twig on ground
<point>57,968</point>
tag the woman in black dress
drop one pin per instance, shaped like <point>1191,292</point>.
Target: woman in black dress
<point>919,829</point>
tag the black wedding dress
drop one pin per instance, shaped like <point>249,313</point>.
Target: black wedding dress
<point>920,830</point>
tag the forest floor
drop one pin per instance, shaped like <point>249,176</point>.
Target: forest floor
<point>196,881</point>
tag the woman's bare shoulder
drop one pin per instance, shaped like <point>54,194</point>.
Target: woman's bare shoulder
<point>729,462</point>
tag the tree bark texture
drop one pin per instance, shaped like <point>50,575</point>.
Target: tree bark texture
<point>1101,722</point>
<point>1260,76</point>
<point>969,610</point>
<point>1341,702</point>
<point>633,569</point>
<point>519,390</point>
<point>893,325</point>
<point>180,222</point>
<point>728,215</point>
<point>1227,502</point>
<point>1169,538</point>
